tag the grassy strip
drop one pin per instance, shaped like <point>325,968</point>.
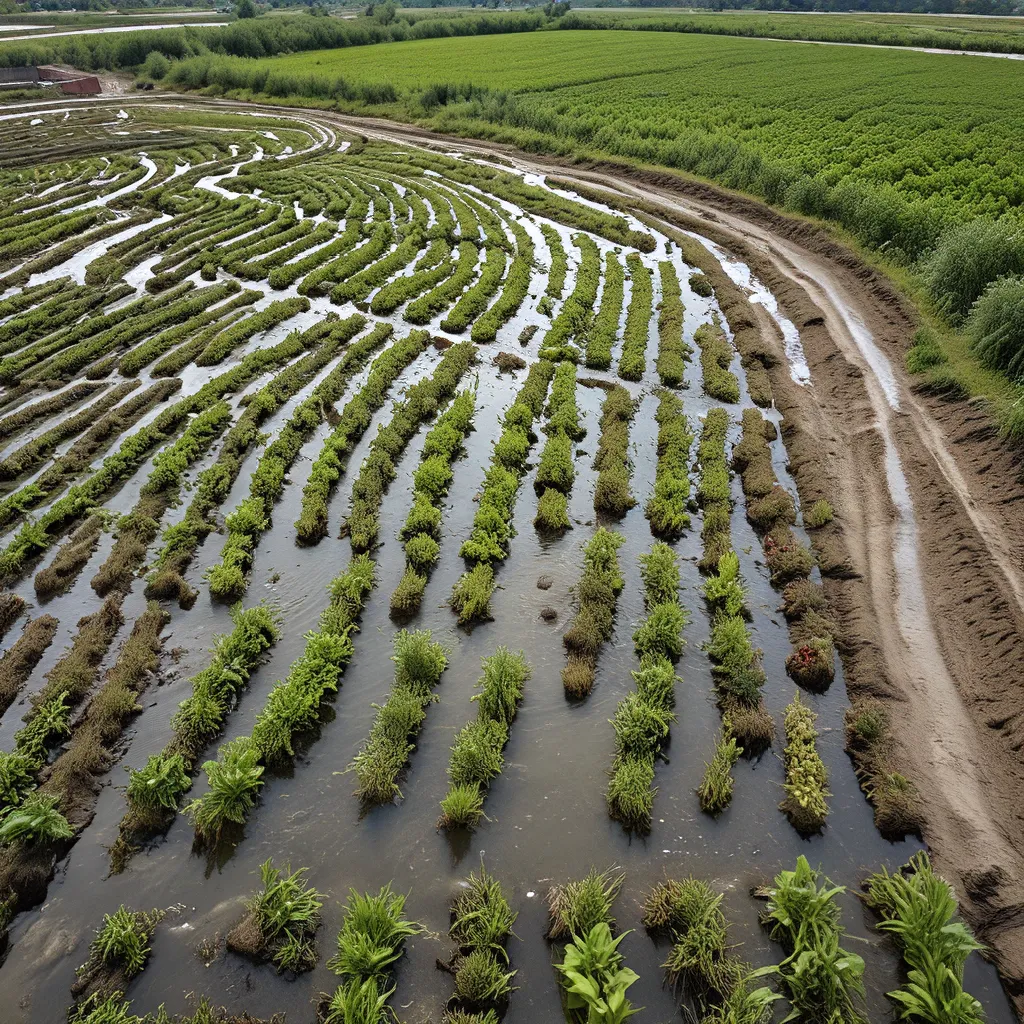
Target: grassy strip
<point>280,922</point>
<point>593,972</point>
<point>311,525</point>
<point>673,352</point>
<point>715,356</point>
<point>54,313</point>
<point>35,452</point>
<point>370,942</point>
<point>597,594</point>
<point>806,785</point>
<point>559,262</point>
<point>482,922</point>
<point>223,344</point>
<point>421,532</point>
<point>155,790</point>
<point>71,558</point>
<point>182,540</point>
<point>822,980</point>
<point>643,719</point>
<point>43,409</point>
<point>178,358</point>
<point>247,523</point>
<point>293,706</point>
<point>23,655</point>
<point>476,756</point>
<point>139,528</point>
<point>132,362</point>
<point>605,329</point>
<point>288,273</point>
<point>419,664</point>
<point>577,312</point>
<point>555,472</point>
<point>701,962</point>
<point>918,908</point>
<point>421,401</point>
<point>667,509</point>
<point>357,287</point>
<point>517,284</point>
<point>492,531</point>
<point>633,358</point>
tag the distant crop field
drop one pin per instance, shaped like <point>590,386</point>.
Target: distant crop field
<point>943,131</point>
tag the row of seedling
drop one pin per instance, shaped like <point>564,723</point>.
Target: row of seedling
<point>633,357</point>
<point>612,494</point>
<point>492,530</point>
<point>668,507</point>
<point>292,708</point>
<point>555,473</point>
<point>673,351</point>
<point>574,318</point>
<point>604,330</point>
<point>644,717</point>
<point>421,531</point>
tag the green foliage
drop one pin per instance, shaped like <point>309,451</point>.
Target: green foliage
<point>372,935</point>
<point>996,326</point>
<point>633,359</point>
<point>234,779</point>
<point>715,789</point>
<point>286,912</point>
<point>34,822</point>
<point>577,907</point>
<point>605,329</point>
<point>158,785</point>
<point>471,594</point>
<point>419,664</point>
<point>919,910</point>
<point>715,356</point>
<point>480,978</point>
<point>481,915</point>
<point>667,508</point>
<point>673,352</point>
<point>822,980</point>
<point>594,977</point>
<point>819,514</point>
<point>552,511</point>
<point>122,941</point>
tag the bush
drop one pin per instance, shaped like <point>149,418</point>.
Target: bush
<point>968,259</point>
<point>996,327</point>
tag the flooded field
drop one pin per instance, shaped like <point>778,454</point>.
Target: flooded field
<point>245,357</point>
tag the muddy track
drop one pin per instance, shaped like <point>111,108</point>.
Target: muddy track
<point>925,562</point>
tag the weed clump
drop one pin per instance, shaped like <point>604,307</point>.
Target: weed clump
<point>281,921</point>
<point>597,593</point>
<point>117,953</point>
<point>700,285</point>
<point>576,907</point>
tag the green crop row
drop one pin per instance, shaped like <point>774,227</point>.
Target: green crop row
<point>432,268</point>
<point>182,540</point>
<point>441,296</point>
<point>292,707</point>
<point>155,790</point>
<point>476,757</point>
<point>223,344</point>
<point>605,329</point>
<point>643,719</point>
<point>633,358</point>
<point>328,467</point>
<point>286,274</point>
<point>261,269</point>
<point>612,494</point>
<point>672,350</point>
<point>577,312</point>
<point>667,507</point>
<point>715,356</point>
<point>421,401</point>
<point>806,785</point>
<point>421,531</point>
<point>559,262</point>
<point>474,300</point>
<point>713,491</point>
<point>247,523</point>
<point>597,595</point>
<point>359,286</point>
<point>350,262</point>
<point>62,310</point>
<point>492,530</point>
<point>517,284</point>
<point>419,665</point>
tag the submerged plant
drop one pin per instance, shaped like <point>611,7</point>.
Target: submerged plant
<point>577,906</point>
<point>372,935</point>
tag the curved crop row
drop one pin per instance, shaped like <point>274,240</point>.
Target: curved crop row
<point>42,409</point>
<point>577,311</point>
<point>155,790</point>
<point>421,401</point>
<point>311,525</point>
<point>667,507</point>
<point>223,344</point>
<point>292,707</point>
<point>428,272</point>
<point>643,719</point>
<point>421,531</point>
<point>492,530</point>
<point>182,540</point>
<point>474,300</point>
<point>441,296</point>
<point>517,284</point>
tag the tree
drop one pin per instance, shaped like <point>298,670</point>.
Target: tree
<point>245,9</point>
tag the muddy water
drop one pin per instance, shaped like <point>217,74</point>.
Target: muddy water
<point>547,819</point>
